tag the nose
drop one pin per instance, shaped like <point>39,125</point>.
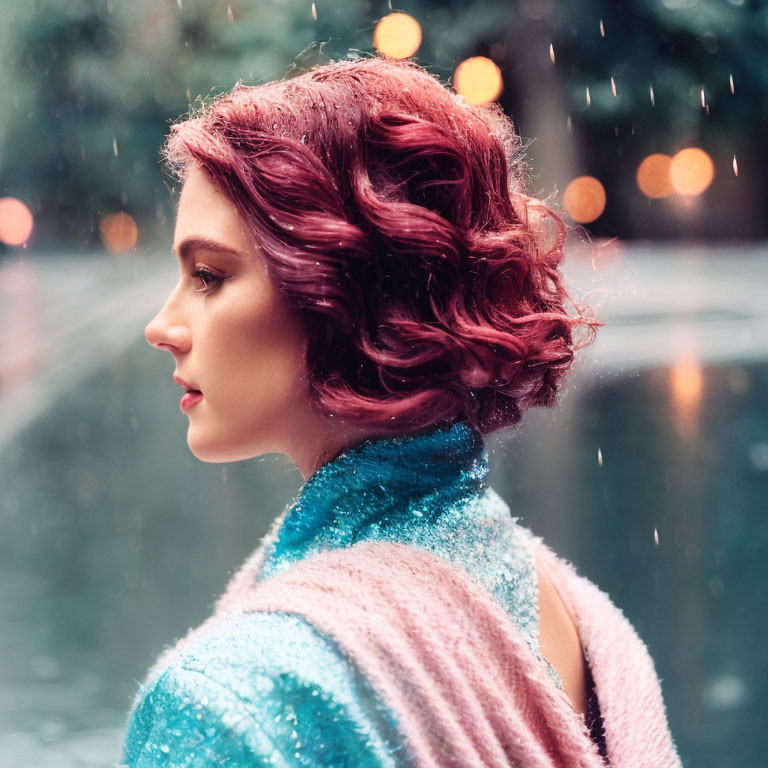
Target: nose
<point>167,329</point>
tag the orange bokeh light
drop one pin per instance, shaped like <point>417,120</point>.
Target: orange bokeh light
<point>584,199</point>
<point>687,385</point>
<point>691,171</point>
<point>397,35</point>
<point>478,80</point>
<point>118,232</point>
<point>16,221</point>
<point>653,176</point>
<point>687,381</point>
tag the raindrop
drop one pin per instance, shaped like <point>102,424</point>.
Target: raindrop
<point>180,3</point>
<point>735,166</point>
<point>600,457</point>
<point>230,15</point>
<point>602,28</point>
<point>758,455</point>
<point>552,53</point>
<point>314,12</point>
<point>114,146</point>
<point>653,98</point>
<point>569,123</point>
<point>589,98</point>
<point>656,536</point>
<point>725,692</point>
<point>730,79</point>
<point>613,87</point>
<point>703,100</point>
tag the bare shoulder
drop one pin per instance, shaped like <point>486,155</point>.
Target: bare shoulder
<point>559,638</point>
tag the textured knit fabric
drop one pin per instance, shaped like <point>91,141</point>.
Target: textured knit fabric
<point>390,618</point>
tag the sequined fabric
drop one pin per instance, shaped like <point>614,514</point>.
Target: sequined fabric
<point>268,689</point>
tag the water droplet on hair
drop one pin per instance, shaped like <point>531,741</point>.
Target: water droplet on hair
<point>321,104</point>
<point>274,126</point>
<point>304,139</point>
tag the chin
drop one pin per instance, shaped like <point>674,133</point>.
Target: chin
<point>219,451</point>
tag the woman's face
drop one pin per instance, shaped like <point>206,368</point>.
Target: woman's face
<point>233,338</point>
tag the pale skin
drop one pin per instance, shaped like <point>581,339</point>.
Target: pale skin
<point>239,343</point>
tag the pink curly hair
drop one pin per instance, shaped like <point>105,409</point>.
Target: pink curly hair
<point>391,214</point>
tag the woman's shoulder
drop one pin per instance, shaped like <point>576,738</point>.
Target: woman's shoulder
<point>255,687</point>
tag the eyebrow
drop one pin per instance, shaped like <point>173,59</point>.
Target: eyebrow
<point>188,245</point>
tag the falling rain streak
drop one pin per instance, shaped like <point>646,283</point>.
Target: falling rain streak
<point>600,457</point>
<point>656,536</point>
<point>653,98</point>
<point>114,147</point>
<point>230,15</point>
<point>589,98</point>
<point>730,79</point>
<point>735,166</point>
<point>602,28</point>
<point>703,100</point>
<point>314,12</point>
<point>551,53</point>
<point>613,87</point>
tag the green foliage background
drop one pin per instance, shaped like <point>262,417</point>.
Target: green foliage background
<point>90,87</point>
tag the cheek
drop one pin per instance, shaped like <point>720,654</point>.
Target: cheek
<point>258,358</point>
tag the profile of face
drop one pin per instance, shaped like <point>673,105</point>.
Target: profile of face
<point>235,340</point>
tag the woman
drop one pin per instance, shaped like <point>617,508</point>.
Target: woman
<point>366,289</point>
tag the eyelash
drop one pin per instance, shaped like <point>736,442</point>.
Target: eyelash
<point>207,277</point>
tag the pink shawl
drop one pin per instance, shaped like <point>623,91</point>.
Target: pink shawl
<point>466,687</point>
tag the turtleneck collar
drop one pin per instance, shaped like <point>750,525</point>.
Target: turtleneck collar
<point>380,485</point>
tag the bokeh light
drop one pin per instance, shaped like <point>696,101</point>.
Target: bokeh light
<point>16,221</point>
<point>691,171</point>
<point>478,80</point>
<point>687,384</point>
<point>118,232</point>
<point>584,199</point>
<point>397,35</point>
<point>653,176</point>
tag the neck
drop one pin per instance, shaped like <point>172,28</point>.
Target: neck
<point>320,442</point>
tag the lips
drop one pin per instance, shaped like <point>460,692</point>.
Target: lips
<point>189,387</point>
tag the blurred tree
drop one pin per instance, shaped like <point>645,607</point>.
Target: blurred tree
<point>91,86</point>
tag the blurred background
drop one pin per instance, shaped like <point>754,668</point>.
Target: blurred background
<point>644,126</point>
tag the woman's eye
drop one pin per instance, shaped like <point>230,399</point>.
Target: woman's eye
<point>209,279</point>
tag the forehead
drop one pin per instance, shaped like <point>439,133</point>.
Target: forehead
<point>205,212</point>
